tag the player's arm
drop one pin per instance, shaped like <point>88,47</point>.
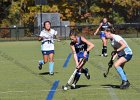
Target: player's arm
<point>111,27</point>
<point>40,37</point>
<point>110,24</point>
<point>74,54</point>
<point>90,45</point>
<point>97,30</point>
<point>122,47</point>
<point>114,56</point>
<point>56,36</point>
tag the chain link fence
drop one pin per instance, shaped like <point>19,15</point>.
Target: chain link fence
<point>128,30</point>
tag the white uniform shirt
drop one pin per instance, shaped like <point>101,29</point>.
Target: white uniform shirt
<point>115,44</point>
<point>48,39</point>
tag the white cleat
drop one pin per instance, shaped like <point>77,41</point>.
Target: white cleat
<point>105,55</point>
<point>73,86</point>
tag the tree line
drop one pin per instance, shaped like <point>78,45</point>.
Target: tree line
<point>22,12</point>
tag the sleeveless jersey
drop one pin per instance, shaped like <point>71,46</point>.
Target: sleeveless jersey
<point>48,41</point>
<point>104,26</point>
<point>80,46</point>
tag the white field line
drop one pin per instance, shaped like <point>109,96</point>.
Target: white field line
<point>110,90</point>
<point>35,60</point>
<point>112,94</point>
<point>5,92</point>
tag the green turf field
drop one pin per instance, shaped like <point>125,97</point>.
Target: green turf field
<point>20,78</point>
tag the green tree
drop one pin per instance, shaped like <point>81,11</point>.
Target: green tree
<point>23,12</point>
<point>128,9</point>
<point>119,11</point>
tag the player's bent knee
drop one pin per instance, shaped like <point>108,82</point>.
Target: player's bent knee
<point>51,60</point>
<point>45,61</point>
<point>116,64</point>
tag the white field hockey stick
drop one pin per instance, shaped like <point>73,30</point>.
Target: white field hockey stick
<point>70,81</point>
<point>73,74</point>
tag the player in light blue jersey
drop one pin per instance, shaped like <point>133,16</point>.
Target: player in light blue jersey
<point>47,46</point>
<point>103,25</point>
<point>124,53</point>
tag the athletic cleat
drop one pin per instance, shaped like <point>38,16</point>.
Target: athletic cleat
<point>87,74</point>
<point>73,86</point>
<point>105,55</point>
<point>51,73</point>
<point>102,55</point>
<point>40,66</point>
<point>125,84</point>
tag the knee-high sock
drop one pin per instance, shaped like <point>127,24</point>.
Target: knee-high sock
<point>77,77</point>
<point>121,73</point>
<point>41,62</point>
<point>104,50</point>
<point>83,71</point>
<point>51,66</point>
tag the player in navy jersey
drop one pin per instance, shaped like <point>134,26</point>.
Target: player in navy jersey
<point>103,25</point>
<point>80,48</point>
<point>124,53</point>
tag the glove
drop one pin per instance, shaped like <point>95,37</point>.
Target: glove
<point>113,53</point>
<point>110,63</point>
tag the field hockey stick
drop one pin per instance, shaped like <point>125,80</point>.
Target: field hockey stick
<point>37,35</point>
<point>109,66</point>
<point>70,81</point>
<point>63,42</point>
<point>73,75</point>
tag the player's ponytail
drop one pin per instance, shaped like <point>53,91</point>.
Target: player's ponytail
<point>73,33</point>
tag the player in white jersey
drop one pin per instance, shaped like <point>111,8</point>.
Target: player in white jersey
<point>47,46</point>
<point>124,53</point>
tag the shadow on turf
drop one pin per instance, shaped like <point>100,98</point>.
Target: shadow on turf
<point>80,86</point>
<point>111,86</point>
<point>46,73</point>
<point>99,55</point>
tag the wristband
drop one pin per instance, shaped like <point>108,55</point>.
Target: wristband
<point>74,52</point>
